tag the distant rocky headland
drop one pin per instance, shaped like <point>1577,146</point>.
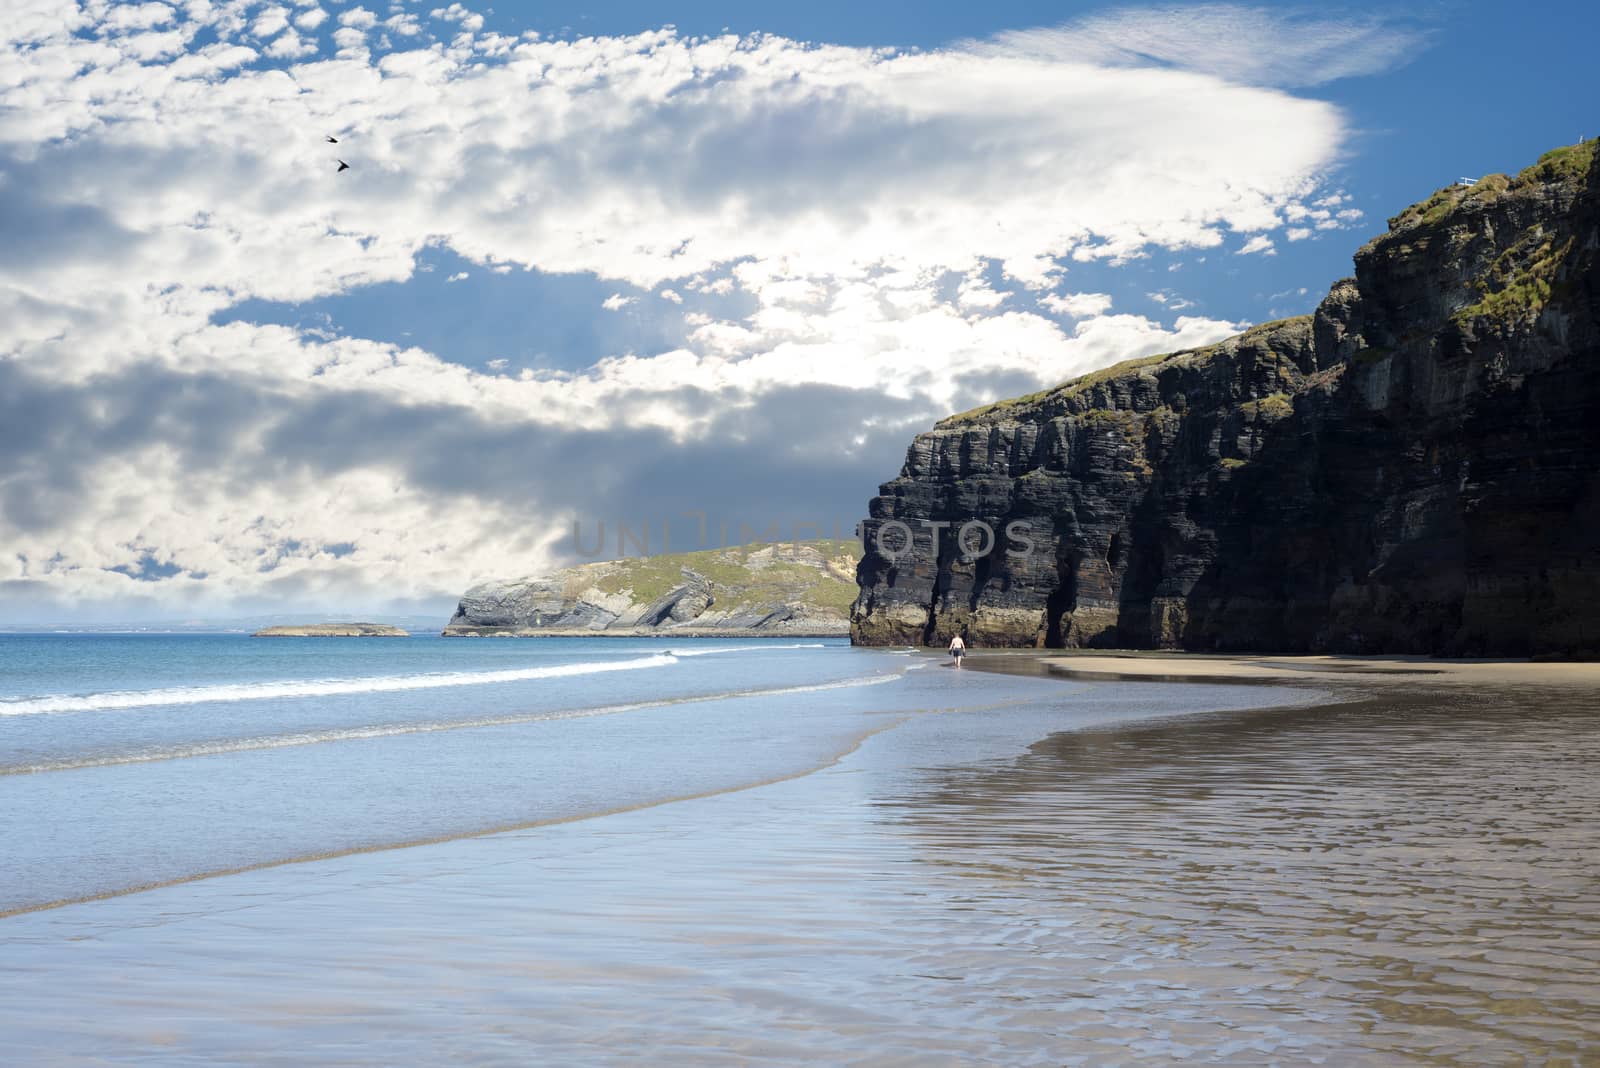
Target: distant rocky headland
<point>333,630</point>
<point>1415,468</point>
<point>794,589</point>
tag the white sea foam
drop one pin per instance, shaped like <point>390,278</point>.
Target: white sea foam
<point>743,649</point>
<point>258,691</point>
<point>388,730</point>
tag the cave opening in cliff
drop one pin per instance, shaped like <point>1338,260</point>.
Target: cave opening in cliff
<point>1060,602</point>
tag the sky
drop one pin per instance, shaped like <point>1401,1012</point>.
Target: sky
<point>701,269</point>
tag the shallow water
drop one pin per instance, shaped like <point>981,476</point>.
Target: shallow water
<point>132,761</point>
<point>1034,880</point>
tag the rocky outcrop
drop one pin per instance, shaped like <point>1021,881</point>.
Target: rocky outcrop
<point>803,588</point>
<point>333,630</point>
<point>1415,468</point>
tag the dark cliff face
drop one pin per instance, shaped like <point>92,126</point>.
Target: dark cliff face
<point>1413,469</point>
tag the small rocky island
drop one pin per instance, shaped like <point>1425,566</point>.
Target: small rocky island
<point>333,630</point>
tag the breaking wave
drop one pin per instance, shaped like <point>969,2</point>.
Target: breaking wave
<point>388,730</point>
<point>258,691</point>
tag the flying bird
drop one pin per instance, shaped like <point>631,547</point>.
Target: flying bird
<point>343,166</point>
<point>333,140</point>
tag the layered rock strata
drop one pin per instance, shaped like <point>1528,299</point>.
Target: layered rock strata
<point>1412,469</point>
<point>802,588</point>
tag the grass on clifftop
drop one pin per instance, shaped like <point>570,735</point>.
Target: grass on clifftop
<point>736,580</point>
<point>1522,281</point>
<point>1564,164</point>
<point>1002,410</point>
<point>997,412</point>
<point>1561,164</point>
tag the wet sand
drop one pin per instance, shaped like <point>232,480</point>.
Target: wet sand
<point>1134,665</point>
<point>1405,869</point>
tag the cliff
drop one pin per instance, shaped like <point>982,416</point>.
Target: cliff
<point>1412,469</point>
<point>333,630</point>
<point>803,588</point>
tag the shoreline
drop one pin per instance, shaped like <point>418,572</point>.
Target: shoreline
<point>1208,869</point>
<point>1318,669</point>
<point>687,632</point>
<point>1315,696</point>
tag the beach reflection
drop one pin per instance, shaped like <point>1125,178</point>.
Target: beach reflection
<point>1408,877</point>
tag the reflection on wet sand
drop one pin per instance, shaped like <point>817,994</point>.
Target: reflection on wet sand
<point>1415,875</point>
<point>1409,877</point>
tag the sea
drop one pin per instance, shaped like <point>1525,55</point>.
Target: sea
<point>219,849</point>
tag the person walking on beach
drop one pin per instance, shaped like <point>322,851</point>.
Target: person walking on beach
<point>958,649</point>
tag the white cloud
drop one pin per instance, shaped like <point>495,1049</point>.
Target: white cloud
<point>270,21</point>
<point>607,188</point>
<point>405,24</point>
<point>121,18</point>
<point>358,17</point>
<point>976,293</point>
<point>1260,243</point>
<point>1256,45</point>
<point>1171,301</point>
<point>469,20</point>
<point>818,210</point>
<point>290,45</point>
<point>720,286</point>
<point>1077,305</point>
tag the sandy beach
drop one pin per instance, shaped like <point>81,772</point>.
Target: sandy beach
<point>1360,867</point>
<point>1140,665</point>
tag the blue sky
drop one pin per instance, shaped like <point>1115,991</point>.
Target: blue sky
<point>588,267</point>
<point>1453,106</point>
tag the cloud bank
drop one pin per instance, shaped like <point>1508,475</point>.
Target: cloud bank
<point>901,228</point>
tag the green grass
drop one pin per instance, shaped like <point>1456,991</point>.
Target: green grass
<point>999,410</point>
<point>1270,408</point>
<point>648,577</point>
<point>1562,164</point>
<point>734,581</point>
<point>1434,208</point>
<point>1084,383</point>
<point>1521,281</point>
<point>1443,202</point>
<point>1018,407</point>
<point>1122,418</point>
